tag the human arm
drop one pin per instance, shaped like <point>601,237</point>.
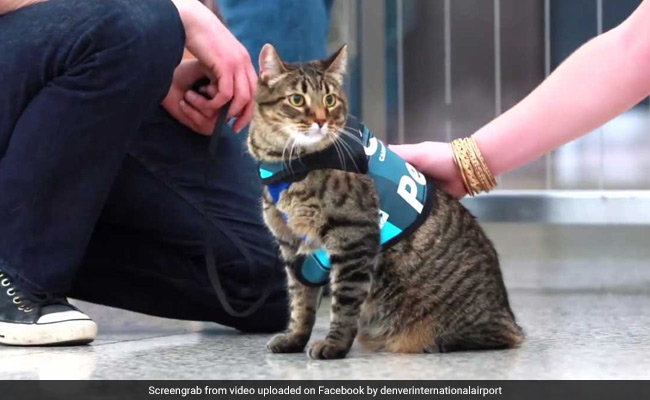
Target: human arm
<point>602,79</point>
<point>222,58</point>
<point>7,6</point>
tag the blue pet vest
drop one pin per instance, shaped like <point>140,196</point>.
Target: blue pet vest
<point>406,196</point>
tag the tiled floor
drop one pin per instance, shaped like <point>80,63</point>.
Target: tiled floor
<point>581,293</point>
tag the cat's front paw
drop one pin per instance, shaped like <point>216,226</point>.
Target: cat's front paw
<point>287,343</point>
<point>327,350</point>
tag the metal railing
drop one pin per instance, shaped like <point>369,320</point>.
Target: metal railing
<point>581,183</point>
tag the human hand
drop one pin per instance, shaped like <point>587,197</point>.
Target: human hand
<point>225,60</point>
<point>192,109</point>
<point>436,160</point>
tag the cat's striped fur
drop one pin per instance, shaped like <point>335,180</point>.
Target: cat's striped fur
<point>439,289</point>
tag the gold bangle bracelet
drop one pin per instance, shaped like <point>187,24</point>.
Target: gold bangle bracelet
<point>472,168</point>
<point>459,166</point>
<point>476,166</point>
<point>492,182</point>
<point>470,177</point>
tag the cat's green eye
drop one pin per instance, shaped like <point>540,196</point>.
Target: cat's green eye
<point>297,100</point>
<point>330,100</point>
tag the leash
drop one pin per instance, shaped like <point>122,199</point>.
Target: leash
<point>210,259</point>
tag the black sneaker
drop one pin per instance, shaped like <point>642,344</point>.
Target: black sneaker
<point>30,320</point>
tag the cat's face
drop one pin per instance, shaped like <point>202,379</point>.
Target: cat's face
<point>300,108</point>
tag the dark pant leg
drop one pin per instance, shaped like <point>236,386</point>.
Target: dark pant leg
<point>147,252</point>
<point>77,78</point>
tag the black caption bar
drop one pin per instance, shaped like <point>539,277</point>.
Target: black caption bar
<point>272,390</point>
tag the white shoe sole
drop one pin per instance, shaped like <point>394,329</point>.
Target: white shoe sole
<point>75,332</point>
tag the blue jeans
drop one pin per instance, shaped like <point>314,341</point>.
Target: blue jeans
<point>102,193</point>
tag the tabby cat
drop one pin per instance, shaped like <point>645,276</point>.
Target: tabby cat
<point>439,289</point>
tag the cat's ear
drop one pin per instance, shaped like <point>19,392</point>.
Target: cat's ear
<point>271,65</point>
<point>337,64</point>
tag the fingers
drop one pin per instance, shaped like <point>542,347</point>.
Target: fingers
<point>211,91</point>
<point>436,160</point>
<point>242,95</point>
<point>246,115</point>
<point>252,80</point>
<point>196,120</point>
<point>245,118</point>
<point>225,60</point>
<point>237,83</point>
<point>412,153</point>
<point>200,103</point>
<point>225,90</point>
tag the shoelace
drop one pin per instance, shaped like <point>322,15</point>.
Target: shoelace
<point>24,303</point>
<point>210,241</point>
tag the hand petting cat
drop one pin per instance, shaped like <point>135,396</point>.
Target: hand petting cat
<point>436,160</point>
<point>221,57</point>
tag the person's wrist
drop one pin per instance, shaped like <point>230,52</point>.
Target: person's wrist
<point>201,25</point>
<point>450,176</point>
<point>490,153</point>
<point>471,166</point>
<point>11,6</point>
<point>187,10</point>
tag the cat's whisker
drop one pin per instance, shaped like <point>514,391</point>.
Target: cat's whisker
<point>338,151</point>
<point>286,145</point>
<point>284,151</point>
<point>350,152</point>
<point>351,135</point>
<point>355,132</point>
<point>340,154</point>
<point>293,144</point>
<point>293,147</point>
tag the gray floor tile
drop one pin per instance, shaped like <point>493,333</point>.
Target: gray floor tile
<point>581,293</point>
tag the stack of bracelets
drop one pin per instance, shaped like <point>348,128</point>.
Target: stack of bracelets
<point>473,170</point>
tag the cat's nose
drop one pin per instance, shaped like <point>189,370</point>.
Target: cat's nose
<point>321,122</point>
